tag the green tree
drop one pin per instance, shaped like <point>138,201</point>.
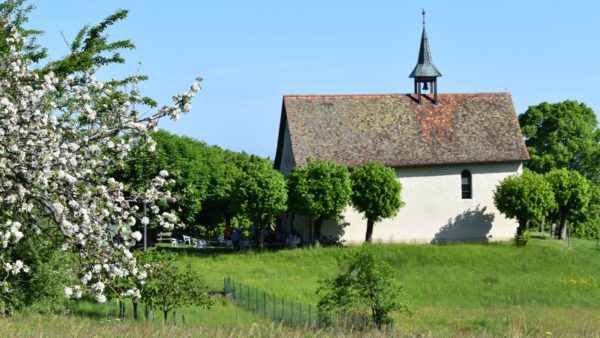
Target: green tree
<point>262,193</point>
<point>562,135</point>
<point>376,193</point>
<point>364,283</point>
<point>320,191</point>
<point>188,161</point>
<point>42,287</point>
<point>572,193</point>
<point>169,287</point>
<point>527,197</point>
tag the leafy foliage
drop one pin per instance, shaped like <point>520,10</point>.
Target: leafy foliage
<point>321,191</point>
<point>188,162</point>
<point>527,197</point>
<point>261,192</point>
<point>16,12</point>
<point>169,287</point>
<point>41,289</point>
<point>63,132</point>
<point>562,135</point>
<point>363,284</point>
<point>376,193</point>
<point>566,135</point>
<point>572,193</point>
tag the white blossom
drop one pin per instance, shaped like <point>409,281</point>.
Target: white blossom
<point>100,298</point>
<point>136,235</point>
<point>68,292</point>
<point>54,160</point>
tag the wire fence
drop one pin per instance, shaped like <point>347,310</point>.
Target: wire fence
<point>114,310</point>
<point>280,309</point>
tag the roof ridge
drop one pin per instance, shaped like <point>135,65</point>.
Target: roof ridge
<point>388,94</point>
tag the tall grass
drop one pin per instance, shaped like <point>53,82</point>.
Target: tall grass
<point>544,273</point>
<point>544,289</point>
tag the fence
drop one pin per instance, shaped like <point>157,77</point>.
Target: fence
<point>279,309</point>
<point>113,310</point>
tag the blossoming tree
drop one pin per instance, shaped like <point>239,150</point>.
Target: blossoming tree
<point>60,136</point>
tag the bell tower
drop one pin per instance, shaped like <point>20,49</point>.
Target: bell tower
<point>425,72</point>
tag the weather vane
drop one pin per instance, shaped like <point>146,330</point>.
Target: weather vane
<point>423,16</point>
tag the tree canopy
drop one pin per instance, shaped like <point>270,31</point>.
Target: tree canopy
<point>562,135</point>
<point>376,193</point>
<point>261,192</point>
<point>188,161</point>
<point>527,197</point>
<point>320,191</point>
<point>572,193</point>
<point>63,133</point>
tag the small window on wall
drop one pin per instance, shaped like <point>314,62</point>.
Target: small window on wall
<point>466,184</point>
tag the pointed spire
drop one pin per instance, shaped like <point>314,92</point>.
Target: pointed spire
<point>425,67</point>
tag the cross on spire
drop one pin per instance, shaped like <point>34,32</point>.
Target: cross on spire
<point>423,13</point>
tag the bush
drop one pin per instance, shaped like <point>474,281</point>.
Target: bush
<point>588,229</point>
<point>364,285</point>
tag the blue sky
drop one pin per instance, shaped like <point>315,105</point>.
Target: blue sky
<point>251,53</point>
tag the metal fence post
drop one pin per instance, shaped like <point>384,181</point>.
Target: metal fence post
<point>233,293</point>
<point>318,319</point>
<point>309,308</point>
<point>264,303</point>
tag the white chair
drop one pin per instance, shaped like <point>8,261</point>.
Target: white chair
<point>199,243</point>
<point>174,242</point>
<point>187,239</point>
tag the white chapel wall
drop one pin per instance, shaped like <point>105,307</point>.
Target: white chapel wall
<point>435,210</point>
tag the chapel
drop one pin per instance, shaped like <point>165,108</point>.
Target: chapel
<point>449,151</point>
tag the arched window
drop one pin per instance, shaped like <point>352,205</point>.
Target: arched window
<point>466,184</point>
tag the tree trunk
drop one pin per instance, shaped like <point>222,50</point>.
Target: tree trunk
<point>135,309</point>
<point>370,224</point>
<point>261,235</point>
<point>562,234</point>
<point>542,225</point>
<point>121,309</point>
<point>165,313</point>
<point>318,223</point>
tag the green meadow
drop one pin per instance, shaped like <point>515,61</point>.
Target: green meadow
<point>548,288</point>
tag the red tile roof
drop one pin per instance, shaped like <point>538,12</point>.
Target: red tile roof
<point>395,130</point>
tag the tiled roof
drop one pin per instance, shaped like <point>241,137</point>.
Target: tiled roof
<point>395,130</point>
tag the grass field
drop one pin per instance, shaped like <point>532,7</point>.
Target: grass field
<point>483,289</point>
<point>488,290</point>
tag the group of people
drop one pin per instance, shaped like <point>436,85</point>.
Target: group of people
<point>260,235</point>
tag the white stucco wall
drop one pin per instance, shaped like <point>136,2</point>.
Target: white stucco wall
<point>435,210</point>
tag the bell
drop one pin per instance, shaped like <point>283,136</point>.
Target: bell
<point>425,87</point>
